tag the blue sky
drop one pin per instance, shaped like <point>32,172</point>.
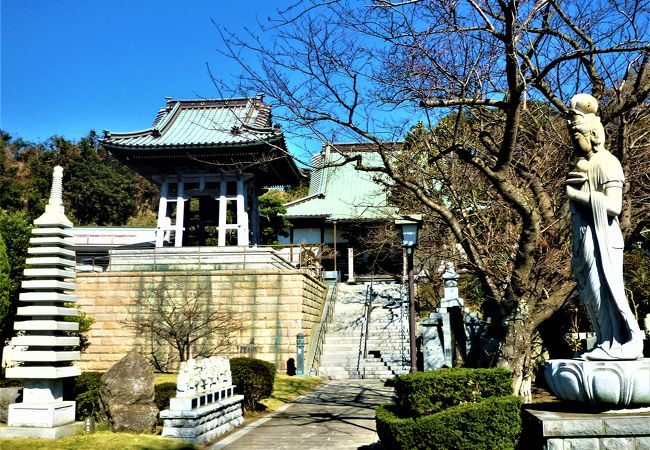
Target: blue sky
<point>69,66</point>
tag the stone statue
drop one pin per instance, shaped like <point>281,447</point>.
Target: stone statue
<point>594,188</point>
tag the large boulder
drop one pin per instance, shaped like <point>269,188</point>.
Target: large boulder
<point>127,392</point>
<point>8,395</point>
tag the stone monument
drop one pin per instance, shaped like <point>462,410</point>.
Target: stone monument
<point>612,375</point>
<point>127,392</point>
<point>438,340</point>
<point>41,326</point>
<point>205,405</point>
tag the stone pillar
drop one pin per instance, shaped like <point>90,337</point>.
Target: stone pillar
<point>450,282</point>
<point>432,345</point>
<point>242,214</point>
<point>254,214</point>
<point>180,215</point>
<point>223,211</point>
<point>350,265</point>
<point>41,314</point>
<point>162,214</point>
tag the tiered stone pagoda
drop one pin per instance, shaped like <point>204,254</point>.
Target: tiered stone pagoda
<point>48,351</point>
<point>211,158</point>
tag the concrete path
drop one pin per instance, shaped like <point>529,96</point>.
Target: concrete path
<point>337,415</point>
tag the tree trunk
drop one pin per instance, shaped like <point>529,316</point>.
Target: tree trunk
<point>516,353</point>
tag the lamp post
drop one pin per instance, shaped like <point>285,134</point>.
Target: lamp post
<point>410,225</point>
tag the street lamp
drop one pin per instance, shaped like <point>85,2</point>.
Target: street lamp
<point>410,225</point>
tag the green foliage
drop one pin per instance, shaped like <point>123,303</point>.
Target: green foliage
<point>272,223</point>
<point>15,231</point>
<point>163,392</point>
<point>98,189</point>
<point>637,280</point>
<point>297,192</point>
<point>86,394</point>
<point>84,321</point>
<point>424,393</point>
<point>451,409</point>
<point>493,423</point>
<point>254,379</point>
<point>5,282</point>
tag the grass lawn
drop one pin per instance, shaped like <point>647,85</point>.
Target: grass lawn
<point>285,389</point>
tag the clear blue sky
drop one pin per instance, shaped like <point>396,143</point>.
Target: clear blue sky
<point>69,66</point>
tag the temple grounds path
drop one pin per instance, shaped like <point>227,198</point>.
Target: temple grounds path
<point>336,415</point>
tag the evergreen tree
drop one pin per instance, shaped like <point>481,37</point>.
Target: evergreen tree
<point>5,282</point>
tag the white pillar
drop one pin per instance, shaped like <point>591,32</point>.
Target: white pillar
<point>242,215</point>
<point>180,214</point>
<point>162,213</point>
<point>223,209</point>
<point>350,265</point>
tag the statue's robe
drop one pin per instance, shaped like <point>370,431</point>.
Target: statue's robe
<point>598,265</point>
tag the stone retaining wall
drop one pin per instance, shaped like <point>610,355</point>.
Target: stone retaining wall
<point>273,306</point>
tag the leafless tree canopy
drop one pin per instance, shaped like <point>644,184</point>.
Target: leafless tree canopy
<point>490,81</point>
<point>178,322</point>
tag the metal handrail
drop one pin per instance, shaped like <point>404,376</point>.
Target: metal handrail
<point>317,339</point>
<point>363,339</point>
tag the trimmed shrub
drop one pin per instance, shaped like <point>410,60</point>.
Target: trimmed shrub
<point>86,394</point>
<point>254,379</point>
<point>163,392</point>
<point>491,424</point>
<point>425,393</point>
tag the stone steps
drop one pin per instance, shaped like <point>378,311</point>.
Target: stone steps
<point>343,342</point>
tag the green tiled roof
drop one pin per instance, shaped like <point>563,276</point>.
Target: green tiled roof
<point>199,123</point>
<point>342,192</point>
<point>226,134</point>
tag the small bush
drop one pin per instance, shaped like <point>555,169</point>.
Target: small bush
<point>492,424</point>
<point>254,379</point>
<point>86,394</point>
<point>425,393</point>
<point>163,392</point>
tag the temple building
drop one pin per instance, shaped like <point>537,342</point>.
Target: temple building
<point>211,159</point>
<point>340,210</point>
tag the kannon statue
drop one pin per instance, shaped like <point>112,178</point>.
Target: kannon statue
<point>594,188</point>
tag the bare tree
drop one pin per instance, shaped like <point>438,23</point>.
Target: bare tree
<point>490,79</point>
<point>182,319</point>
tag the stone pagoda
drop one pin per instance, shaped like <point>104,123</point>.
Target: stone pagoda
<point>211,159</point>
<point>42,330</point>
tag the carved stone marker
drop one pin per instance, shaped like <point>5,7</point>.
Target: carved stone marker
<point>594,189</point>
<point>127,392</point>
<point>205,405</point>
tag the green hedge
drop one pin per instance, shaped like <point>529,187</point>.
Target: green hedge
<point>424,393</point>
<point>491,424</point>
<point>254,379</point>
<point>163,392</point>
<point>86,394</point>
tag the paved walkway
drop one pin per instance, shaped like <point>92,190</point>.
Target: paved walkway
<point>337,415</point>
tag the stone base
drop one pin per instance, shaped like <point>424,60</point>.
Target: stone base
<point>557,430</point>
<point>613,383</point>
<point>69,429</point>
<point>205,423</point>
<point>45,415</point>
<point>196,401</point>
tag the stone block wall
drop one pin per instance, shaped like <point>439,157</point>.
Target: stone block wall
<point>272,306</point>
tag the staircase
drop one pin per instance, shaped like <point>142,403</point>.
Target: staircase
<point>368,335</point>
